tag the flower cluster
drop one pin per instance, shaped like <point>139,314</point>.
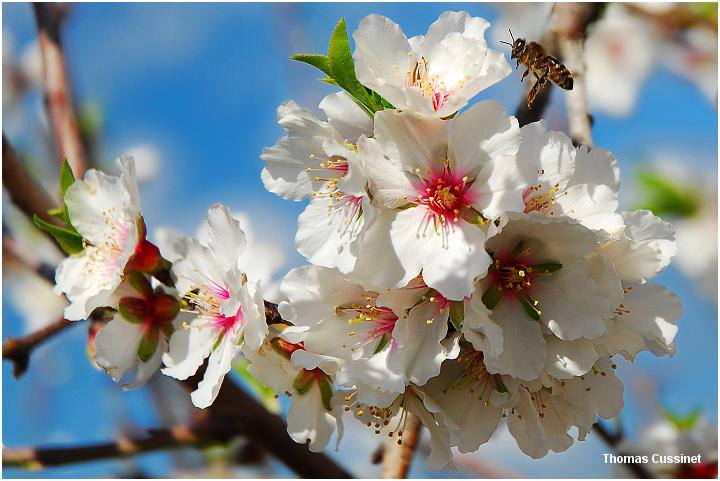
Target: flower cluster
<point>464,269</point>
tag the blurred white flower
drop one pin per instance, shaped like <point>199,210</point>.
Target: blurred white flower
<point>619,54</point>
<point>147,160</point>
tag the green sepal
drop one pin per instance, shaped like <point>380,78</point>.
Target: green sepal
<point>148,344</point>
<point>66,177</point>
<point>71,242</point>
<point>59,213</point>
<point>499,384</point>
<point>492,296</point>
<point>457,314</point>
<point>668,199</point>
<point>326,391</point>
<point>547,267</point>
<point>529,309</point>
<point>303,381</point>
<point>134,310</point>
<point>167,330</point>
<point>140,283</point>
<point>383,342</point>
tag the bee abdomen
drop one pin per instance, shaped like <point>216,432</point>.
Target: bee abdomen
<point>564,80</point>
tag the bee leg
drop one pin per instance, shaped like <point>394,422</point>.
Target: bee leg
<point>533,92</point>
<point>525,74</point>
<point>518,65</point>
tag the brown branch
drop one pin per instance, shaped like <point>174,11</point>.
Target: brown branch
<point>18,350</point>
<point>568,23</point>
<point>57,90</point>
<point>24,191</point>
<point>614,440</point>
<point>41,457</point>
<point>396,457</point>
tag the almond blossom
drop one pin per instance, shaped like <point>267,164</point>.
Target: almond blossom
<point>320,160</point>
<point>105,210</point>
<point>315,411</point>
<point>439,189</point>
<point>229,309</point>
<point>433,75</point>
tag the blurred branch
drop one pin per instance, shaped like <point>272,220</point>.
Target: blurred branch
<point>568,24</point>
<point>24,191</point>
<point>57,90</point>
<point>398,454</point>
<point>679,17</point>
<point>614,440</point>
<point>18,350</point>
<point>15,253</point>
<point>35,458</point>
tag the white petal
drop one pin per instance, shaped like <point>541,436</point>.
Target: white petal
<point>566,359</point>
<point>346,117</point>
<point>376,384</point>
<point>222,234</point>
<point>308,421</point>
<point>219,364</point>
<point>188,350</point>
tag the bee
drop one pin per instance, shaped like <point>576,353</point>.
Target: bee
<point>543,66</point>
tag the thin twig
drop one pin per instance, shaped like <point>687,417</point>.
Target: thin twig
<point>24,191</point>
<point>614,440</point>
<point>178,436</point>
<point>18,350</point>
<point>57,90</point>
<point>568,23</point>
<point>398,454</point>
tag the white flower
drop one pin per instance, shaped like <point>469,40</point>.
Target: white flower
<point>105,210</point>
<point>642,249</point>
<point>433,75</point>
<point>439,190</point>
<point>131,346</point>
<point>619,54</point>
<point>539,415</point>
<point>545,297</point>
<point>390,421</point>
<point>645,320</point>
<point>315,410</point>
<point>230,309</point>
<point>569,181</point>
<point>374,342</point>
<point>319,159</point>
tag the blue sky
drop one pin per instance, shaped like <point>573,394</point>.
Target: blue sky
<point>201,82</point>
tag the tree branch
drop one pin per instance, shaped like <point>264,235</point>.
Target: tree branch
<point>178,436</point>
<point>24,191</point>
<point>398,454</point>
<point>18,350</point>
<point>57,91</point>
<point>568,24</point>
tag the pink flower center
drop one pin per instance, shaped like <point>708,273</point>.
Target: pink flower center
<point>429,84</point>
<point>444,194</point>
<point>208,300</point>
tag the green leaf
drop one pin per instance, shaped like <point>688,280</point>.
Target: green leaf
<point>457,314</point>
<point>667,199</point>
<point>326,391</point>
<point>71,242</point>
<point>492,296</point>
<point>342,67</point>
<point>59,213</point>
<point>499,384</point>
<point>383,342</point>
<point>547,267</point>
<point>66,177</point>
<point>304,381</point>
<point>148,344</point>
<point>529,309</point>
<point>263,394</point>
<point>682,423</point>
<point>321,62</point>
